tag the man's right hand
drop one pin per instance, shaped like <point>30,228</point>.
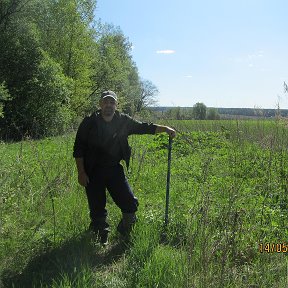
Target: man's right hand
<point>83,179</point>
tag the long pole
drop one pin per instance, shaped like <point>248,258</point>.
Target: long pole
<point>168,181</point>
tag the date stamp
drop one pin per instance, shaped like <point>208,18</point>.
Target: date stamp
<point>273,247</point>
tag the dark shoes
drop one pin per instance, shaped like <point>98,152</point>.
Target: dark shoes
<point>103,236</point>
<point>121,229</point>
<point>126,224</point>
<point>101,228</point>
<point>101,231</point>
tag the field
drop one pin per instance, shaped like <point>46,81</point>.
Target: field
<point>227,215</point>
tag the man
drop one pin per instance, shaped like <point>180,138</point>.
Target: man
<point>101,142</point>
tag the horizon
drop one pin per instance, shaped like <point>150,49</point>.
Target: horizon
<point>208,107</point>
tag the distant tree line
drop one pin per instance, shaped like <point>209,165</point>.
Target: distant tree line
<point>200,112</point>
<point>253,112</point>
<point>54,62</point>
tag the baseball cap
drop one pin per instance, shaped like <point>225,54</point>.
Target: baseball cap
<point>109,93</point>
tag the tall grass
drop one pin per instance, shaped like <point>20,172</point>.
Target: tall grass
<point>229,182</point>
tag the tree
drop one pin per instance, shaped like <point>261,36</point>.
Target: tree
<point>147,97</point>
<point>65,32</point>
<point>187,113</point>
<point>173,113</point>
<point>199,111</point>
<point>212,114</point>
<point>7,10</point>
<point>114,68</point>
<point>55,62</point>
<point>49,99</point>
<point>36,85</point>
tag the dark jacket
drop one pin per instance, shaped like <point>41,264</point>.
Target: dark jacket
<point>89,142</point>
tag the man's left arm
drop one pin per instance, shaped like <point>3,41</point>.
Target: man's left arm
<point>137,127</point>
<point>160,129</point>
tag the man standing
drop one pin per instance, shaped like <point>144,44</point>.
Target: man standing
<point>101,142</point>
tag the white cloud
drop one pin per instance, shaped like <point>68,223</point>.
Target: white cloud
<point>259,54</point>
<point>165,51</point>
<point>188,76</point>
<point>250,60</point>
<point>249,57</point>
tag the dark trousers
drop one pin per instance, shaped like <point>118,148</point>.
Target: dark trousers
<point>112,178</point>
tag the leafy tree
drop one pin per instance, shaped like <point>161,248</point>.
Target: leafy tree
<point>7,10</point>
<point>49,99</point>
<point>174,113</point>
<point>114,68</point>
<point>19,56</point>
<point>67,36</point>
<point>55,62</point>
<point>187,113</point>
<point>199,111</point>
<point>148,92</point>
<point>212,114</point>
<point>27,72</point>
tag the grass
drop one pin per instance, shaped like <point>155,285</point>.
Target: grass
<point>228,194</point>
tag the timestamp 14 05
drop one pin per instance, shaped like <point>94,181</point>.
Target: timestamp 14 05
<point>273,247</point>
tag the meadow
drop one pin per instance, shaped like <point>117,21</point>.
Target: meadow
<point>227,215</point>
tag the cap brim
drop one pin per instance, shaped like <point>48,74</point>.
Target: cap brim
<point>111,96</point>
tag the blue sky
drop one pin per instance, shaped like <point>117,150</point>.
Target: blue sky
<point>222,53</point>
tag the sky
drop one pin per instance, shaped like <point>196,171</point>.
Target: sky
<point>223,53</point>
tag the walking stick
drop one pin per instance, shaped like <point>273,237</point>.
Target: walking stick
<point>168,181</point>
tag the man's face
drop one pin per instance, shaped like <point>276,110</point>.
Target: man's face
<point>108,106</point>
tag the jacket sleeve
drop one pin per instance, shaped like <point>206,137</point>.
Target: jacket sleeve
<point>80,144</point>
<point>137,127</point>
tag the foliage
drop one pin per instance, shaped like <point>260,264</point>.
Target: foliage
<point>173,113</point>
<point>65,34</point>
<point>19,59</point>
<point>199,111</point>
<point>212,114</point>
<point>55,47</point>
<point>147,95</point>
<point>8,9</point>
<point>4,96</point>
<point>36,85</point>
<point>49,99</point>
<point>114,68</point>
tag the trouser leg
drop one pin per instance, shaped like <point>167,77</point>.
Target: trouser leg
<point>96,196</point>
<point>121,191</point>
<point>124,198</point>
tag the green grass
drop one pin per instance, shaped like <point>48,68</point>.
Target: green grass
<point>229,184</point>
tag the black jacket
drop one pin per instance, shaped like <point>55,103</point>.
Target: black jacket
<point>89,142</point>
